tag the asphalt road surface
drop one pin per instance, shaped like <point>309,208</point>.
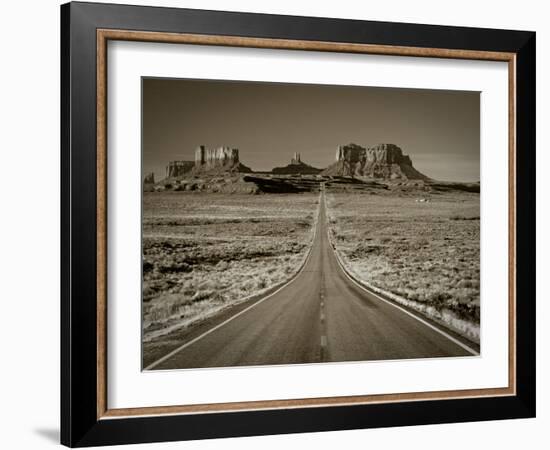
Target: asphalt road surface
<point>322,315</point>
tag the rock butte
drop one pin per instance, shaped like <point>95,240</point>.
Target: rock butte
<point>374,169</point>
<point>383,161</point>
<point>218,160</point>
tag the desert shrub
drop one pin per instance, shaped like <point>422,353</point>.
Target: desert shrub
<point>460,217</point>
<point>202,295</point>
<point>174,267</point>
<point>464,284</point>
<point>222,265</point>
<point>147,266</point>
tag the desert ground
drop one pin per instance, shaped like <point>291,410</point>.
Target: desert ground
<point>203,253</point>
<point>422,251</point>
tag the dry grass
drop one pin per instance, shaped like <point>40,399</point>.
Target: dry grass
<point>426,252</point>
<point>205,252</point>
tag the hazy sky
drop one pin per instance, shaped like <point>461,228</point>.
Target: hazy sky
<point>268,122</point>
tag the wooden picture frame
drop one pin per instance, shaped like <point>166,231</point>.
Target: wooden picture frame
<point>86,418</point>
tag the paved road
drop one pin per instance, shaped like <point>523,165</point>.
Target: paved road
<point>322,315</point>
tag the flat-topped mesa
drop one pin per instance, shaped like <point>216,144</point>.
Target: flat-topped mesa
<point>176,169</point>
<point>218,160</point>
<point>385,161</point>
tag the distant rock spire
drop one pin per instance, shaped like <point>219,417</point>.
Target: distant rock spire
<point>149,178</point>
<point>296,167</point>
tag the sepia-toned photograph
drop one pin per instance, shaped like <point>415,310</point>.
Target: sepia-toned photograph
<point>302,223</point>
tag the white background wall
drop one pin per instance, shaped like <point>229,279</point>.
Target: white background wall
<point>29,224</point>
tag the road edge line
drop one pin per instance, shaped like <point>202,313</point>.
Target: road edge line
<point>256,303</point>
<point>413,315</point>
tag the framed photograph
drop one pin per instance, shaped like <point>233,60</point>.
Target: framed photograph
<point>278,224</point>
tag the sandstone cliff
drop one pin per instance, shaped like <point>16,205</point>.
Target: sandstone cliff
<point>218,160</point>
<point>296,167</point>
<point>176,169</point>
<point>384,161</point>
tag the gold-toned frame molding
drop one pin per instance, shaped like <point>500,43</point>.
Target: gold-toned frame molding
<point>104,35</point>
